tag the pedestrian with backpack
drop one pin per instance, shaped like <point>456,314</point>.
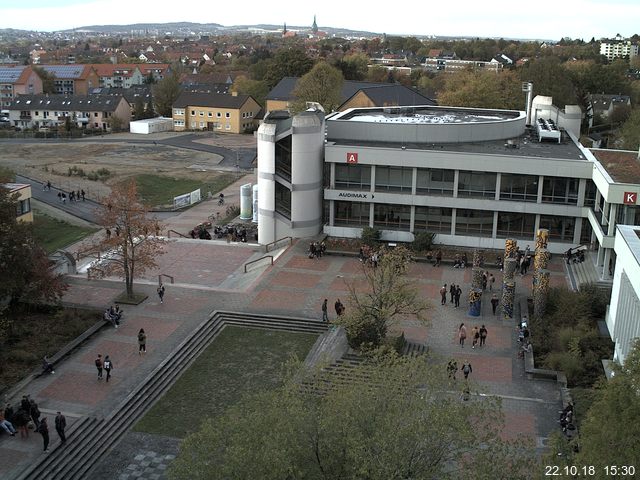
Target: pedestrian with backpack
<point>466,369</point>
<point>99,366</point>
<point>142,342</point>
<point>483,335</point>
<point>107,365</point>
<point>462,334</point>
<point>43,429</point>
<point>161,292</point>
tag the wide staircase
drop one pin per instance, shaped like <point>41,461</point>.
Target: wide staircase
<point>585,273</point>
<point>91,438</point>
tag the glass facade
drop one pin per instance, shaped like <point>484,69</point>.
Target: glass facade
<point>352,177</point>
<point>433,219</point>
<point>590,194</point>
<point>392,217</point>
<point>435,181</point>
<point>478,223</point>
<point>394,179</point>
<point>283,200</point>
<point>560,228</point>
<point>283,158</point>
<point>516,225</point>
<point>354,214</point>
<point>477,184</point>
<point>560,190</point>
<point>519,187</point>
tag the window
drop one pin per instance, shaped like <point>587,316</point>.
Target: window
<point>218,115</point>
<point>95,114</point>
<point>193,113</point>
<point>518,225</point>
<point>244,115</point>
<point>477,184</point>
<point>560,190</point>
<point>209,114</point>
<point>351,214</point>
<point>23,207</point>
<point>227,127</point>
<point>179,112</point>
<point>519,187</point>
<point>283,200</point>
<point>227,115</point>
<point>178,123</point>
<point>477,223</point>
<point>590,194</point>
<point>435,181</point>
<point>392,217</point>
<point>201,113</point>
<point>433,219</point>
<point>283,158</point>
<point>560,228</point>
<point>356,177</point>
<point>394,179</point>
<point>201,124</point>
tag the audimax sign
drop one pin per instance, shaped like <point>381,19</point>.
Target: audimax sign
<point>354,195</point>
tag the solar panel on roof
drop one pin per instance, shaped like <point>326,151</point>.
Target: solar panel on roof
<point>10,75</point>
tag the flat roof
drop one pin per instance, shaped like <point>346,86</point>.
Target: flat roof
<point>14,187</point>
<point>623,166</point>
<point>523,146</point>
<point>426,115</point>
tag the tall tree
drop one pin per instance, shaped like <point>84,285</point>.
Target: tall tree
<point>550,79</point>
<point>389,293</point>
<point>354,67</point>
<point>26,274</point>
<point>323,84</point>
<point>134,244</point>
<point>165,93</point>
<point>482,89</point>
<point>397,422</point>
<point>287,62</point>
<point>48,80</point>
<point>610,433</point>
<point>138,109</point>
<point>630,131</point>
<point>256,88</point>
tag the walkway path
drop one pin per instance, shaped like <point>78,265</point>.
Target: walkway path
<point>210,278</point>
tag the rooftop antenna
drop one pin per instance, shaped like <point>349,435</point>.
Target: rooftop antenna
<point>528,87</point>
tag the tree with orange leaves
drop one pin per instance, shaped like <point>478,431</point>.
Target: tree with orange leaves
<point>134,244</point>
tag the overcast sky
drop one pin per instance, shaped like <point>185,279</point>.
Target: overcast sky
<point>489,18</point>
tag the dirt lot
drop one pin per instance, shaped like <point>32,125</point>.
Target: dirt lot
<point>52,161</point>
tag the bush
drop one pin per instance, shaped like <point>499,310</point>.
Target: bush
<point>76,171</point>
<point>422,242</point>
<point>362,332</point>
<point>370,236</point>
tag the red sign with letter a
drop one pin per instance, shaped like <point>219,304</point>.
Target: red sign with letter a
<point>352,157</point>
<point>630,198</point>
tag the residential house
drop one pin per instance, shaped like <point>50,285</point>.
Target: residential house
<point>502,59</point>
<point>118,75</point>
<point>73,79</point>
<point>157,70</point>
<point>85,111</point>
<point>211,111</point>
<point>353,94</point>
<point>603,105</point>
<point>618,48</point>
<point>130,94</point>
<point>18,80</point>
<point>23,200</point>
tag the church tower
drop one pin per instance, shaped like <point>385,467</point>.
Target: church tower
<point>314,27</point>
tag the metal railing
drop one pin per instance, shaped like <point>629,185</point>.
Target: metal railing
<point>177,233</point>
<point>257,260</point>
<point>164,275</point>
<point>266,247</point>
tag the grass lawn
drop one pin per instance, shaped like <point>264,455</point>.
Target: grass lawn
<point>53,234</point>
<point>35,334</point>
<point>159,191</point>
<point>240,360</point>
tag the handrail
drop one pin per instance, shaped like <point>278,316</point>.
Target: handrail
<point>257,260</point>
<point>164,275</point>
<point>266,247</point>
<point>177,233</point>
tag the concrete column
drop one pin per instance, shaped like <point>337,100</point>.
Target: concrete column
<point>494,230</point>
<point>604,272</point>
<point>373,179</point>
<point>371,214</point>
<point>332,176</point>
<point>332,213</point>
<point>578,230</point>
<point>536,226</point>
<point>605,214</point>
<point>613,212</point>
<point>582,188</point>
<point>497,197</point>
<point>412,220</point>
<point>456,176</point>
<point>600,257</point>
<point>414,184</point>
<point>453,218</point>
<point>540,185</point>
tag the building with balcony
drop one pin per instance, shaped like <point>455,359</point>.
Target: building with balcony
<point>118,75</point>
<point>474,177</point>
<point>73,79</point>
<point>618,48</point>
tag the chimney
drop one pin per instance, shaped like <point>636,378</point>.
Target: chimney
<point>234,93</point>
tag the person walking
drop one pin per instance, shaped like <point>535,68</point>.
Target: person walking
<point>494,302</point>
<point>475,336</point>
<point>458,295</point>
<point>492,280</point>
<point>325,314</point>
<point>142,342</point>
<point>43,429</point>
<point>462,334</point>
<point>99,366</point>
<point>160,291</point>
<point>483,335</point>
<point>466,369</point>
<point>82,193</point>
<point>107,365</point>
<point>443,295</point>
<point>452,292</point>
<point>61,424</point>
<point>438,258</point>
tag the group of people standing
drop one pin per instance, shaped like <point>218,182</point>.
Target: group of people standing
<point>455,293</point>
<point>478,335</point>
<point>28,416</point>
<point>339,307</point>
<point>317,249</point>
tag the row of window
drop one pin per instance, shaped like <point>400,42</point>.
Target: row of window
<point>210,114</point>
<point>431,181</point>
<point>469,222</point>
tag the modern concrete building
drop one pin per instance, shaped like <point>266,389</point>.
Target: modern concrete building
<point>618,48</point>
<point>623,317</point>
<point>472,176</point>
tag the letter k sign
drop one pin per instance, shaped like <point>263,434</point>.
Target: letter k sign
<point>630,198</point>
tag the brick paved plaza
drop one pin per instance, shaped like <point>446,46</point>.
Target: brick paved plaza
<point>209,276</point>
